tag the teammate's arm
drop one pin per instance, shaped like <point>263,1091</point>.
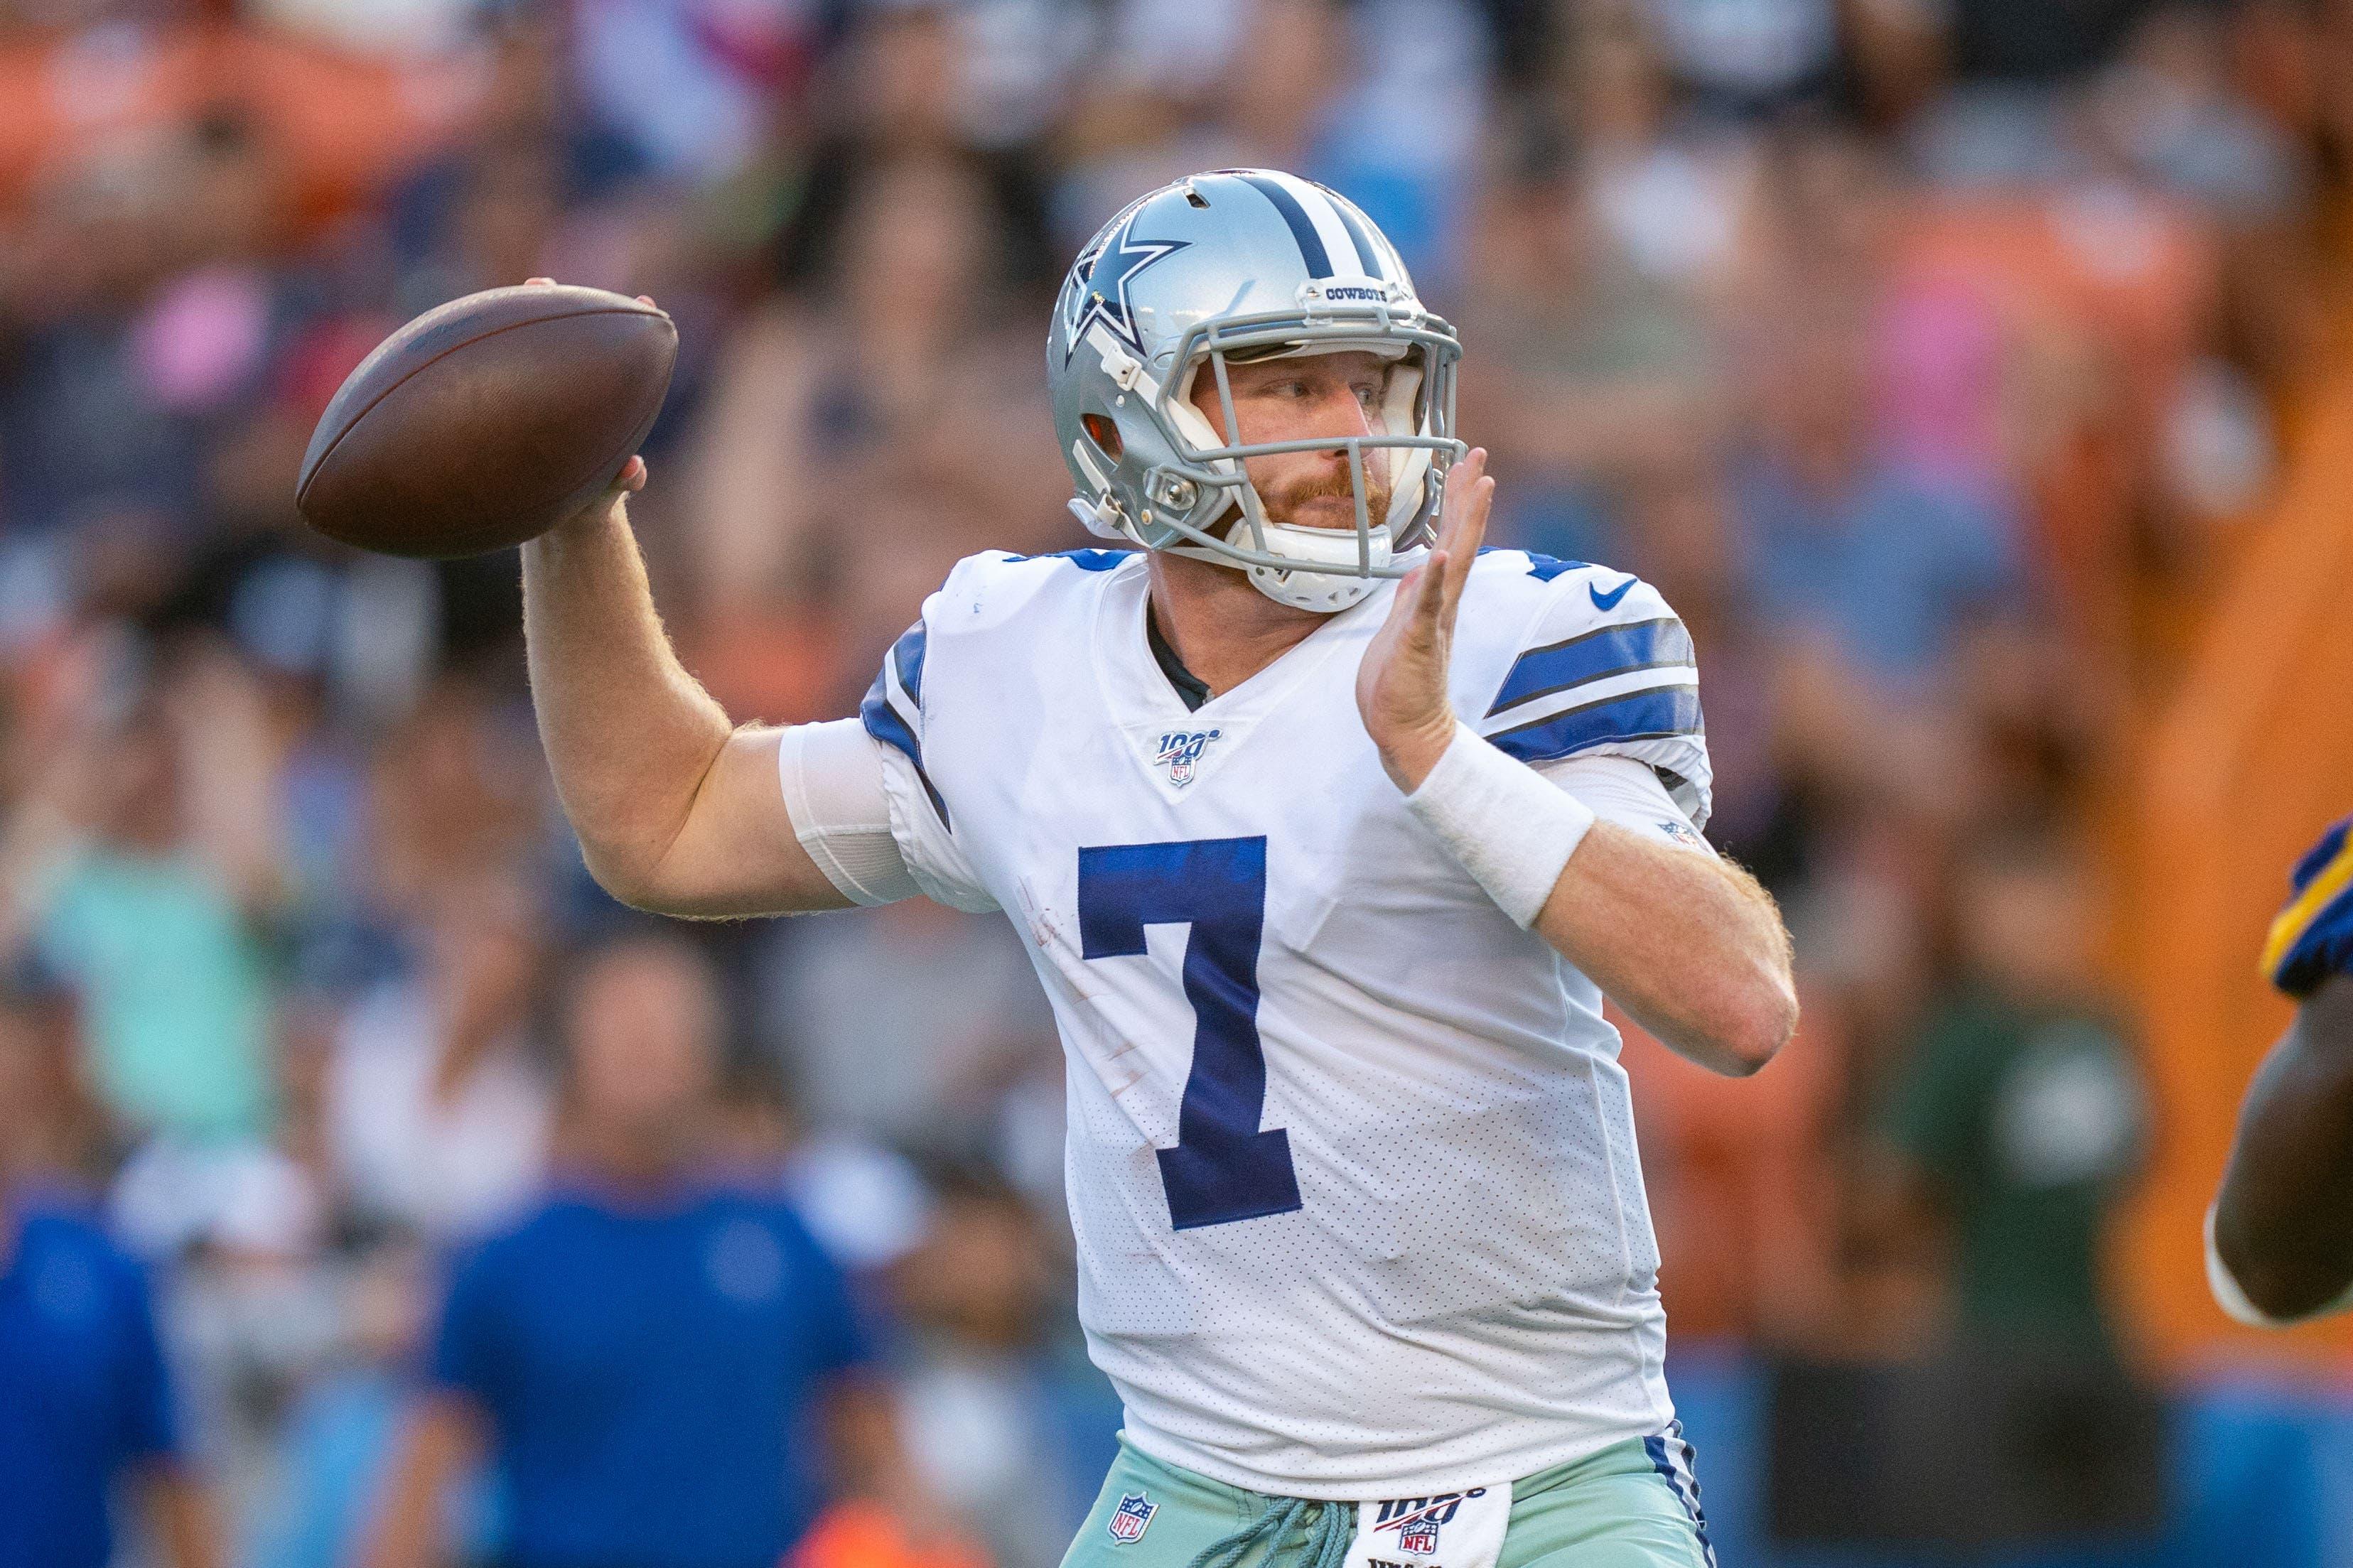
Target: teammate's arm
<point>1688,945</point>
<point>2280,1222</point>
<point>677,809</point>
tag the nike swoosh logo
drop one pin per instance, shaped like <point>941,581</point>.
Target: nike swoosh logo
<point>1609,600</point>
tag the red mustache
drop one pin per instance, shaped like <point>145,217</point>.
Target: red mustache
<point>1283,506</point>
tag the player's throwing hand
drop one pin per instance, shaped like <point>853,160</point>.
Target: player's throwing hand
<point>1402,686</point>
<point>632,477</point>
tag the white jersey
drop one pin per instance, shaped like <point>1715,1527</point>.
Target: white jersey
<point>1351,1159</point>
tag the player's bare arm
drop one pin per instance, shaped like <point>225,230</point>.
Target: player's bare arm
<point>1688,945</point>
<point>677,808</point>
<point>2279,1221</point>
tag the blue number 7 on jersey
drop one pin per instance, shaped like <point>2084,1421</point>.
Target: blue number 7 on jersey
<point>1223,1167</point>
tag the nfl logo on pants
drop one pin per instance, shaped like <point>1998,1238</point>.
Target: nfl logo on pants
<point>1129,1519</point>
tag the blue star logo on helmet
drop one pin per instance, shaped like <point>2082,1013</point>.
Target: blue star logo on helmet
<point>1100,280</point>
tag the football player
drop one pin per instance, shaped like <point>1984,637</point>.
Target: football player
<point>1326,832</point>
<point>2279,1247</point>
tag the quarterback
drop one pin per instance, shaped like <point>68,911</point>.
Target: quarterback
<point>1326,832</point>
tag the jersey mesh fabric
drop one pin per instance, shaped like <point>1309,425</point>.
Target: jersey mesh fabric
<point>1351,1162</point>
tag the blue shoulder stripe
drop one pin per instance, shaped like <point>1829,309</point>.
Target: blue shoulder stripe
<point>885,724</point>
<point>907,654</point>
<point>1593,656</point>
<point>1095,560</point>
<point>1652,715</point>
<point>1084,559</point>
<point>1545,568</point>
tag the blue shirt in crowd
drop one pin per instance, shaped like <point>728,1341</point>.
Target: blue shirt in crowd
<point>83,1391</point>
<point>652,1376</point>
<point>1891,570</point>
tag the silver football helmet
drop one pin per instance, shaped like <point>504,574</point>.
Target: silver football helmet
<point>1232,267</point>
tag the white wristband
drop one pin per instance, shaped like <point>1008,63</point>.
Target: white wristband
<point>1508,826</point>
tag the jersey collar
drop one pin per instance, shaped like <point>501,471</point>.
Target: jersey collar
<point>1178,746</point>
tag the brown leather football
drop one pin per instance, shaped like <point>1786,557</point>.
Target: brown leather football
<point>487,421</point>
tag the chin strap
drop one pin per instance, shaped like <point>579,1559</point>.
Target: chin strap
<point>1318,591</point>
<point>1324,592</point>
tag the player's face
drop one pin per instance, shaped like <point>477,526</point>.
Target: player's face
<point>1302,399</point>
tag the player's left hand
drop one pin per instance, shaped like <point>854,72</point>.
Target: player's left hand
<point>1401,684</point>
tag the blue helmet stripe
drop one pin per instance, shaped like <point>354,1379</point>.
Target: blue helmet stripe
<point>1358,226</point>
<point>1302,227</point>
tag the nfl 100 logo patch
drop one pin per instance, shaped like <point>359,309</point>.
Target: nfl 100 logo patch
<point>1180,753</point>
<point>1132,1517</point>
<point>1418,1520</point>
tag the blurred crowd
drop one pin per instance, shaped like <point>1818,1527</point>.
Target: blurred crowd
<point>1928,354</point>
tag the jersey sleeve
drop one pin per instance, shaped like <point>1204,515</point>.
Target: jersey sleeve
<point>2312,938</point>
<point>892,713</point>
<point>1606,668</point>
<point>1623,791</point>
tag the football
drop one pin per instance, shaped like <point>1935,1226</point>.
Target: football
<point>487,421</point>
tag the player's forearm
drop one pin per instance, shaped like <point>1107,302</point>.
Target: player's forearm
<point>630,735</point>
<point>1689,945</point>
<point>2279,1220</point>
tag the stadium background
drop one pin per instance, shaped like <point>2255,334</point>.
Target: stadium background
<point>1970,374</point>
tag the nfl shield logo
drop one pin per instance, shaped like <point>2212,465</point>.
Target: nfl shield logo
<point>1418,1519</point>
<point>1180,753</point>
<point>1129,1519</point>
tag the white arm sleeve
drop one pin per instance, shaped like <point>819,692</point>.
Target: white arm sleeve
<point>1627,792</point>
<point>833,779</point>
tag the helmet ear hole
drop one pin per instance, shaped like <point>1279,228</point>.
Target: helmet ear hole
<point>1103,434</point>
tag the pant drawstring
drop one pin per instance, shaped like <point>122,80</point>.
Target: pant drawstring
<point>1336,1531</point>
<point>1330,1527</point>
